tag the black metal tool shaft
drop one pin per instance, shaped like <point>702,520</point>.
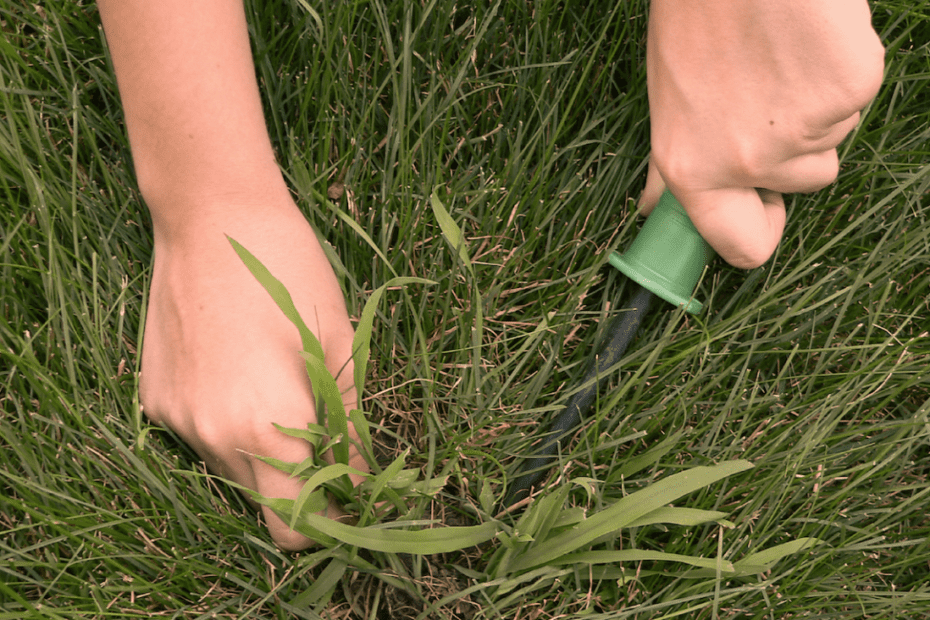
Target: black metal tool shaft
<point>621,331</point>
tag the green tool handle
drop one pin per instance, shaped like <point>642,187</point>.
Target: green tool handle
<point>668,255</point>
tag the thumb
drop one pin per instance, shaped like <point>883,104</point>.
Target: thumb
<point>654,188</point>
<point>743,225</point>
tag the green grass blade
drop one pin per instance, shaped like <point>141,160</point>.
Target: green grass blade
<point>450,230</point>
<point>642,555</point>
<point>308,500</point>
<point>322,588</point>
<point>361,424</point>
<point>764,560</point>
<point>650,457</point>
<point>626,511</point>
<point>313,434</point>
<point>678,516</point>
<point>361,344</point>
<point>310,490</point>
<point>281,297</point>
<point>325,387</point>
<point>382,480</point>
<point>419,542</point>
<point>365,236</point>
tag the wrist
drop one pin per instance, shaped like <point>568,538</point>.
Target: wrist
<point>210,210</point>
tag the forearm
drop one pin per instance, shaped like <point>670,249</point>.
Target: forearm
<point>190,96</point>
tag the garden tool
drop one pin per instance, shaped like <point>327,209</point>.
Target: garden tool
<point>666,259</point>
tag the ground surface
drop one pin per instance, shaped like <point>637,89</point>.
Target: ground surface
<point>529,121</point>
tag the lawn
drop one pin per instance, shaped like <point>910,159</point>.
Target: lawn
<point>527,124</point>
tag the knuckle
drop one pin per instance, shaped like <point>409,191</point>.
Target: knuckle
<point>750,163</point>
<point>675,169</point>
<point>284,537</point>
<point>821,172</point>
<point>749,257</point>
<point>210,430</point>
<point>830,168</point>
<point>866,80</point>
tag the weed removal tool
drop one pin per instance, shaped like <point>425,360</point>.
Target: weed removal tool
<point>666,259</point>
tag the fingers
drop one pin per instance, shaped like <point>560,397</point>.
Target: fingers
<point>743,225</point>
<point>809,171</point>
<point>832,134</point>
<point>653,191</point>
<point>272,482</point>
<point>802,174</point>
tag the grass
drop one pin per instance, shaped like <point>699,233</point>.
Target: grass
<point>528,122</point>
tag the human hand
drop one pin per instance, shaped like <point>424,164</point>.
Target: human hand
<point>220,361</point>
<point>748,100</point>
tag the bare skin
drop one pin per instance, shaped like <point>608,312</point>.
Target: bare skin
<point>220,362</point>
<point>753,94</point>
